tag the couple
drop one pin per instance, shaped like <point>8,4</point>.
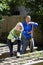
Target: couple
<point>22,33</point>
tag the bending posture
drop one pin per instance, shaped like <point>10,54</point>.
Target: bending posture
<point>27,34</point>
<point>15,34</point>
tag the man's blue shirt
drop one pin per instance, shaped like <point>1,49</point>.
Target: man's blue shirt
<point>28,28</point>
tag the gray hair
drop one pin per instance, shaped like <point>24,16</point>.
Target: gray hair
<point>19,23</point>
<point>28,17</point>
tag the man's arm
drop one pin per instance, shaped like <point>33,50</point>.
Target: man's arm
<point>34,24</point>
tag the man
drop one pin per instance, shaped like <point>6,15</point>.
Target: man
<point>27,34</point>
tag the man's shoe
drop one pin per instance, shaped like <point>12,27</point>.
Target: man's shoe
<point>11,55</point>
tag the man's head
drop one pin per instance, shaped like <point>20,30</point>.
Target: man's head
<point>28,19</point>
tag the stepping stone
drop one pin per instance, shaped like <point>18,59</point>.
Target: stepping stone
<point>7,64</point>
<point>0,54</point>
<point>2,45</point>
<point>39,62</point>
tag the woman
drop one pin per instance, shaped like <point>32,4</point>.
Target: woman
<point>15,34</point>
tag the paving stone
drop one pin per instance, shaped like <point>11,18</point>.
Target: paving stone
<point>7,63</point>
<point>14,64</point>
<point>1,63</point>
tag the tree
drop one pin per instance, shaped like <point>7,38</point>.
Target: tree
<point>4,7</point>
<point>35,6</point>
<point>8,7</point>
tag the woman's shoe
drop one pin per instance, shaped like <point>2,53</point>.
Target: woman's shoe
<point>18,54</point>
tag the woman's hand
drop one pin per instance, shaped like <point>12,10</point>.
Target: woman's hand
<point>13,40</point>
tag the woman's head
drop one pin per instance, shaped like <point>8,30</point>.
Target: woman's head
<point>19,26</point>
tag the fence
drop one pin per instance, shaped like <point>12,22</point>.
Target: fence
<point>10,22</point>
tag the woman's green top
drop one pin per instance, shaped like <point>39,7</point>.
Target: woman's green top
<point>14,33</point>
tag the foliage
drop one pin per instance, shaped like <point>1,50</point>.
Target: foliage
<point>7,7</point>
<point>4,7</point>
<point>35,7</point>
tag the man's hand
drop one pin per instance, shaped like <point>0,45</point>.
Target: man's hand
<point>29,32</point>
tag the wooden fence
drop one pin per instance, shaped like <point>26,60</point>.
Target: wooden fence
<point>11,21</point>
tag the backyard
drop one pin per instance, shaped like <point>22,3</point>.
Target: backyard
<point>12,12</point>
